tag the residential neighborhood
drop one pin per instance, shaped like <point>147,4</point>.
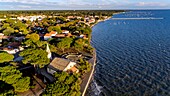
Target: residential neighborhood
<point>47,49</point>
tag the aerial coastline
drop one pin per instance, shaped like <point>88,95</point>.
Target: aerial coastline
<point>61,39</point>
<point>84,48</point>
<point>93,61</point>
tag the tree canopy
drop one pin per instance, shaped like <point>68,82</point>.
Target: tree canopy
<point>5,57</point>
<point>79,44</point>
<point>22,84</point>
<point>35,57</point>
<point>12,76</point>
<point>8,31</point>
<point>54,28</point>
<point>9,74</point>
<point>84,66</point>
<point>66,85</point>
<point>34,37</point>
<point>64,43</point>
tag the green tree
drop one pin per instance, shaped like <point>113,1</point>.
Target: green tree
<point>37,44</point>
<point>69,79</point>
<point>35,57</point>
<point>34,37</point>
<point>9,21</point>
<point>79,44</point>
<point>12,76</point>
<point>5,25</point>
<point>8,31</point>
<point>66,85</point>
<point>22,84</point>
<point>40,43</point>
<point>61,76</point>
<point>54,28</point>
<point>56,89</point>
<point>84,66</point>
<point>24,31</point>
<point>19,25</point>
<point>29,43</point>
<point>53,48</point>
<point>64,43</point>
<point>9,74</point>
<point>5,57</point>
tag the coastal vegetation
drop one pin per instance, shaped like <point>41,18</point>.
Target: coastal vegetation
<point>65,85</point>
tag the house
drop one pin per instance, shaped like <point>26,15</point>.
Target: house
<point>60,35</point>
<point>11,50</point>
<point>1,37</point>
<point>69,35</point>
<point>47,36</point>
<point>92,21</point>
<point>13,47</point>
<point>70,17</point>
<point>31,18</point>
<point>50,35</point>
<point>60,64</point>
<point>53,33</point>
<point>14,44</point>
<point>65,31</point>
<point>81,36</point>
<point>78,17</point>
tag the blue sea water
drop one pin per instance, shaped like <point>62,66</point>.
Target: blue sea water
<point>133,54</point>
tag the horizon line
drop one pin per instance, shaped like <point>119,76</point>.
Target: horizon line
<point>82,9</point>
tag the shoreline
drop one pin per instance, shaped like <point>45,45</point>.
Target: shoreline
<point>100,21</point>
<point>105,19</point>
<point>93,62</point>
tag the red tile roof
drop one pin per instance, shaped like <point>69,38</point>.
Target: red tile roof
<point>47,34</point>
<point>74,69</point>
<point>52,32</point>
<point>60,35</point>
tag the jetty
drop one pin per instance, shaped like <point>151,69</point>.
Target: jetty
<point>148,18</point>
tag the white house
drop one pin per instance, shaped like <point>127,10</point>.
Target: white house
<point>53,33</point>
<point>1,37</point>
<point>60,64</point>
<point>11,51</point>
<point>65,31</point>
<point>47,36</point>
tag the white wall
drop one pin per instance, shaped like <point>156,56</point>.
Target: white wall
<point>70,65</point>
<point>47,37</point>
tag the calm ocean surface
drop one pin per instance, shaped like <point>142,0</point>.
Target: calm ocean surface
<point>133,55</point>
